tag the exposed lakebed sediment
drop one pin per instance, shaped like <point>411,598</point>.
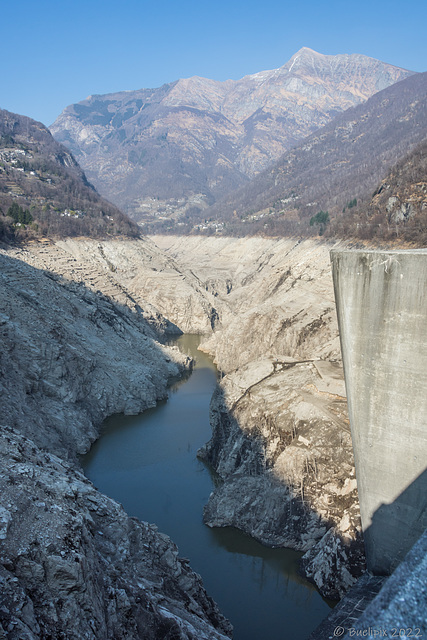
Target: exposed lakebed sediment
<point>80,322</point>
<point>73,564</point>
<point>281,439</point>
<point>148,463</point>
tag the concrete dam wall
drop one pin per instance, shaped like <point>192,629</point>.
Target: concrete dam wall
<point>382,314</point>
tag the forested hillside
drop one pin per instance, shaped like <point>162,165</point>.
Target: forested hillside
<point>43,191</point>
<point>325,185</point>
<point>166,154</point>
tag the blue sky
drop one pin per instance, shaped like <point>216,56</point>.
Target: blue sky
<point>57,53</point>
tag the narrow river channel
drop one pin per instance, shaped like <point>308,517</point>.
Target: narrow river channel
<point>148,463</point>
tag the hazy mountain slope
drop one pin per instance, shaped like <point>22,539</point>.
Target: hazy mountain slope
<point>344,160</point>
<point>159,152</point>
<point>399,205</point>
<point>40,175</point>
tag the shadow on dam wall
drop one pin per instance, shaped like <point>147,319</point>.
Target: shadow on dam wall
<point>388,606</point>
<point>381,303</point>
<point>382,316</point>
<point>409,506</point>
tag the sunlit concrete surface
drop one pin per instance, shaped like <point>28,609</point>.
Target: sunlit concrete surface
<point>382,314</point>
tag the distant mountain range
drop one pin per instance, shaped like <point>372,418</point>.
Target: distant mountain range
<point>170,152</point>
<point>44,189</point>
<point>341,163</point>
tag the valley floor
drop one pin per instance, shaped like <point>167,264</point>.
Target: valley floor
<point>82,323</point>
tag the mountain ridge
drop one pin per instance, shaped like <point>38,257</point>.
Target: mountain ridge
<point>341,162</point>
<point>161,152</point>
<point>40,176</point>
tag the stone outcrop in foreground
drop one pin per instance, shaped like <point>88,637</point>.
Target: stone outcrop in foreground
<point>281,439</point>
<point>73,564</point>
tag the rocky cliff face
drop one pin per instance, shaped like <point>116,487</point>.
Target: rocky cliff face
<point>73,564</point>
<point>40,176</point>
<point>136,274</point>
<point>162,152</point>
<point>79,323</point>
<point>342,162</point>
<point>400,202</point>
<point>281,441</point>
<point>58,386</point>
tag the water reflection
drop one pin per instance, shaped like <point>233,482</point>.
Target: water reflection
<point>149,464</point>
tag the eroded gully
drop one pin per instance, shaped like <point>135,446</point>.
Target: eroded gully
<point>148,463</point>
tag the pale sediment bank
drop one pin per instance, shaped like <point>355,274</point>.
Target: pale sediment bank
<point>74,564</point>
<point>148,463</point>
<point>79,323</point>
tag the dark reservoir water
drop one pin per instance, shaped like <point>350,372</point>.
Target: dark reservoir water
<point>148,463</point>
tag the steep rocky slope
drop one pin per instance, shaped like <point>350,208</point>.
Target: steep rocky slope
<point>136,274</point>
<point>159,153</point>
<point>73,564</point>
<point>341,162</point>
<point>56,334</point>
<point>399,205</point>
<point>280,442</point>
<point>41,177</point>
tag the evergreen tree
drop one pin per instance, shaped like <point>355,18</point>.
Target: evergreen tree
<point>18,214</point>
